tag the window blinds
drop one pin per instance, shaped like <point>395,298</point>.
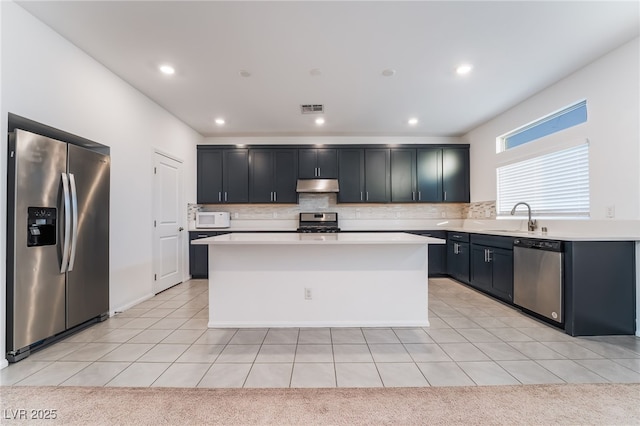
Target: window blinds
<point>554,185</point>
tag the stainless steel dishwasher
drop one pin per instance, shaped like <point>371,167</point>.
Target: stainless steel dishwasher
<point>538,277</point>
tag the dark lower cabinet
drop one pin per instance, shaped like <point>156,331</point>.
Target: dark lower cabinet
<point>199,255</point>
<point>492,265</point>
<point>458,256</point>
<point>600,288</point>
<point>492,271</point>
<point>437,253</point>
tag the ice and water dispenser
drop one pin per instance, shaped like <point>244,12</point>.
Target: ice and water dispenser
<point>41,226</point>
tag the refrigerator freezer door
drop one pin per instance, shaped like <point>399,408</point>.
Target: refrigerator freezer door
<point>88,279</point>
<point>36,290</point>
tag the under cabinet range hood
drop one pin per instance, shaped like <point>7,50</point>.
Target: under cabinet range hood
<point>317,185</point>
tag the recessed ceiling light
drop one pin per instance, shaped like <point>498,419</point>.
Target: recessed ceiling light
<point>464,69</point>
<point>167,69</point>
<point>219,121</point>
<point>320,121</point>
<point>389,72</point>
<point>245,73</point>
<point>413,121</point>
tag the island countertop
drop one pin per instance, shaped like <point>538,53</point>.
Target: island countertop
<point>319,238</point>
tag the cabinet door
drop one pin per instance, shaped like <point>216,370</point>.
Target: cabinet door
<point>455,175</point>
<point>307,163</point>
<point>199,256</point>
<point>429,174</point>
<point>236,176</point>
<point>261,174</point>
<point>502,261</point>
<point>481,268</point>
<point>377,175</point>
<point>403,175</point>
<point>351,175</point>
<point>209,176</point>
<point>327,163</point>
<point>286,176</point>
<point>458,260</point>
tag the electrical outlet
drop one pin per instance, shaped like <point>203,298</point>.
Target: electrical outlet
<point>611,212</point>
<point>236,215</point>
<point>307,294</point>
<point>487,213</point>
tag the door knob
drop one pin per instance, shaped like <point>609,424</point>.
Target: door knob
<point>181,229</point>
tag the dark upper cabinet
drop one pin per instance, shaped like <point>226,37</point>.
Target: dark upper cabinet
<point>235,169</point>
<point>273,175</point>
<point>317,163</point>
<point>351,175</point>
<point>222,176</point>
<point>209,176</point>
<point>430,175</point>
<point>377,171</point>
<point>455,175</point>
<point>403,175</point>
<point>367,173</point>
<point>364,175</point>
<point>429,172</point>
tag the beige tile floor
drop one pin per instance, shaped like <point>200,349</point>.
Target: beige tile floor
<point>472,340</point>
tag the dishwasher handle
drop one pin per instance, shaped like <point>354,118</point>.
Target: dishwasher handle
<point>539,244</point>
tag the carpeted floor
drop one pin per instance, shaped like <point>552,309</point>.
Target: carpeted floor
<point>589,404</point>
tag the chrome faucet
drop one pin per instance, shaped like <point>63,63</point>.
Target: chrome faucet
<point>531,224</point>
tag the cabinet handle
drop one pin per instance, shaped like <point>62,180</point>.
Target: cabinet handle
<point>413,196</point>
<point>360,195</point>
<point>225,196</point>
<point>275,196</point>
<point>485,255</point>
<point>318,171</point>
<point>219,196</point>
<point>367,195</point>
<point>456,248</point>
<point>202,235</point>
<point>489,256</point>
<point>419,196</point>
<point>445,195</point>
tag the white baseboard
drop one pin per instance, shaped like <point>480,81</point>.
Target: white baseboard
<point>130,304</point>
<point>3,363</point>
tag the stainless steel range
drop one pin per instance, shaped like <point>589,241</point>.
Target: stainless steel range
<point>318,222</point>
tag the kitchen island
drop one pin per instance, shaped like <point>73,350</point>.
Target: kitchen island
<point>318,280</point>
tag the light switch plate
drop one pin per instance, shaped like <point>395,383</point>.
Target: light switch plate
<point>611,212</point>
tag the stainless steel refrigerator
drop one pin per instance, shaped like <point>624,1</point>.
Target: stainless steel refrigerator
<point>57,238</point>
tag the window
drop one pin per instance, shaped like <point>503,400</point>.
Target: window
<point>554,184</point>
<point>563,119</point>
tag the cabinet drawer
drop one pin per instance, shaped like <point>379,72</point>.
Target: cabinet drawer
<point>458,236</point>
<point>493,241</point>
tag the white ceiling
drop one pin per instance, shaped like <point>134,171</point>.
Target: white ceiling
<point>517,48</point>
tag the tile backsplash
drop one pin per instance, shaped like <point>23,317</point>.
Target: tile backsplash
<point>328,202</point>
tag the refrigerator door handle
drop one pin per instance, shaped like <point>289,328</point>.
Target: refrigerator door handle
<point>74,221</point>
<point>67,224</point>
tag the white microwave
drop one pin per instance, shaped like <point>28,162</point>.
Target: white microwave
<point>212,219</point>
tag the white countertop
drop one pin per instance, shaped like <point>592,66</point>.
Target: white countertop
<point>268,238</point>
<point>563,230</point>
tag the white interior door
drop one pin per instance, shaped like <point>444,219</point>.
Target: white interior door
<point>168,222</point>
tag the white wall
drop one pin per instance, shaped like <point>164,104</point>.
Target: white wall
<point>47,79</point>
<point>328,140</point>
<point>611,87</point>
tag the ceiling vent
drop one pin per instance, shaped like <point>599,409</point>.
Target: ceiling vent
<point>312,109</point>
